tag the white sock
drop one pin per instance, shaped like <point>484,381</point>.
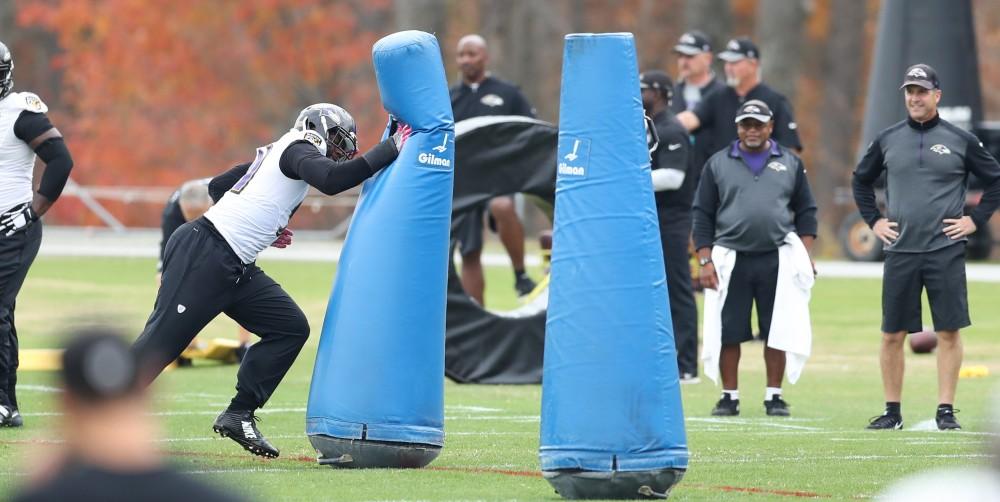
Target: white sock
<point>733,394</point>
<point>771,392</point>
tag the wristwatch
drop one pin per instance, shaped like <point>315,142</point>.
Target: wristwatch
<point>704,261</point>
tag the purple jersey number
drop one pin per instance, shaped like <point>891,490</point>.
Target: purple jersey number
<point>257,162</point>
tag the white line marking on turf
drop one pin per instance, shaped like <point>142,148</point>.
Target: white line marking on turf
<point>241,471</point>
<point>758,459</point>
<point>753,422</point>
<point>39,388</point>
<point>471,409</point>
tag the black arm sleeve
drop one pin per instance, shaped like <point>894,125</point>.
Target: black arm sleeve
<point>53,151</point>
<point>30,125</point>
<point>58,164</point>
<point>301,161</point>
<point>979,161</point>
<point>223,182</point>
<point>706,203</point>
<point>865,175</point>
<point>803,204</point>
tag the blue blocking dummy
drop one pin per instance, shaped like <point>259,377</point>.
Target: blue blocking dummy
<point>377,394</point>
<point>612,424</point>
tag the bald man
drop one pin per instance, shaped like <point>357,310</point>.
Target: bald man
<point>480,94</point>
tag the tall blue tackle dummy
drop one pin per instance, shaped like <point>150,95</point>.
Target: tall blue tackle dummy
<point>377,394</point>
<point>612,424</point>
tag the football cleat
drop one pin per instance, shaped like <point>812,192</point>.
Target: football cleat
<point>524,285</point>
<point>886,421</point>
<point>945,419</point>
<point>241,426</point>
<point>726,407</point>
<point>10,417</point>
<point>776,407</point>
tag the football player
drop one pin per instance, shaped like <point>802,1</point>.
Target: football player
<point>209,266</point>
<point>25,133</point>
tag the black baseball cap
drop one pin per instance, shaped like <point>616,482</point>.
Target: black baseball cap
<point>738,49</point>
<point>98,365</point>
<point>657,80</point>
<point>754,109</point>
<point>693,43</point>
<point>922,75</point>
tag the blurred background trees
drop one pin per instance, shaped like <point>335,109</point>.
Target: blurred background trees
<point>153,92</point>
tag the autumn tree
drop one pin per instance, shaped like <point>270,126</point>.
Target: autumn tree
<point>160,91</point>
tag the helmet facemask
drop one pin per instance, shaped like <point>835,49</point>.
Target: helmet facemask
<point>6,71</point>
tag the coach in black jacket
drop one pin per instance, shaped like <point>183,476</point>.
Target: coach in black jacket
<point>927,161</point>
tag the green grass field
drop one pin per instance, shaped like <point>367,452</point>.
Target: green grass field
<point>492,431</point>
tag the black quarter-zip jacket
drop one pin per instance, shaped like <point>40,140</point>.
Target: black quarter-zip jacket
<point>927,167</point>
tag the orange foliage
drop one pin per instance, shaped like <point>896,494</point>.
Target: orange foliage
<point>165,90</point>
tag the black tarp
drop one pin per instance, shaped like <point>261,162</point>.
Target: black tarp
<point>494,156</point>
<point>939,33</point>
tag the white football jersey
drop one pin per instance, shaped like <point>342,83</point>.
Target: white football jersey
<point>251,213</point>
<point>17,160</point>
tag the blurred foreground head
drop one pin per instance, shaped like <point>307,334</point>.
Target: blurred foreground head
<point>98,367</point>
<point>108,449</point>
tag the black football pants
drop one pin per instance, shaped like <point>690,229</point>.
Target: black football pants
<point>675,234</point>
<point>17,252</point>
<point>203,277</point>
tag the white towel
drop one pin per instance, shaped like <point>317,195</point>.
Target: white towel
<point>791,329</point>
<point>790,325</point>
<point>711,345</point>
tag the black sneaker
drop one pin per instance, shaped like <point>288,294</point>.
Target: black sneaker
<point>946,420</point>
<point>241,426</point>
<point>886,421</point>
<point>776,407</point>
<point>524,285</point>
<point>15,419</point>
<point>726,407</point>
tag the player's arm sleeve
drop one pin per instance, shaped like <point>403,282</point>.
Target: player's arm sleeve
<point>672,155</point>
<point>803,204</point>
<point>863,181</point>
<point>980,162</point>
<point>37,131</point>
<point>301,161</point>
<point>225,181</point>
<point>706,203</point>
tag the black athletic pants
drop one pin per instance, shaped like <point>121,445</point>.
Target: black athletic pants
<point>203,277</point>
<point>675,233</point>
<point>17,252</point>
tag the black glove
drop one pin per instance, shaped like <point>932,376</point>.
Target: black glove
<point>13,222</point>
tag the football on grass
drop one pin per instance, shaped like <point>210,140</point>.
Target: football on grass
<point>923,342</point>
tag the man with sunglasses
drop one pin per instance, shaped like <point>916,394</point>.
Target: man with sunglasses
<point>753,199</point>
<point>209,265</point>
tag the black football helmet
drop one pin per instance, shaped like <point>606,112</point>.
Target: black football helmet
<point>6,71</point>
<point>335,125</point>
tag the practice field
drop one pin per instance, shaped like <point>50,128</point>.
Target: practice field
<point>491,447</point>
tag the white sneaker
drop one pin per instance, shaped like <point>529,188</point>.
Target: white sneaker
<point>687,379</point>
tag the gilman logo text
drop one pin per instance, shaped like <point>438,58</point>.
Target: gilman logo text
<point>433,160</point>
